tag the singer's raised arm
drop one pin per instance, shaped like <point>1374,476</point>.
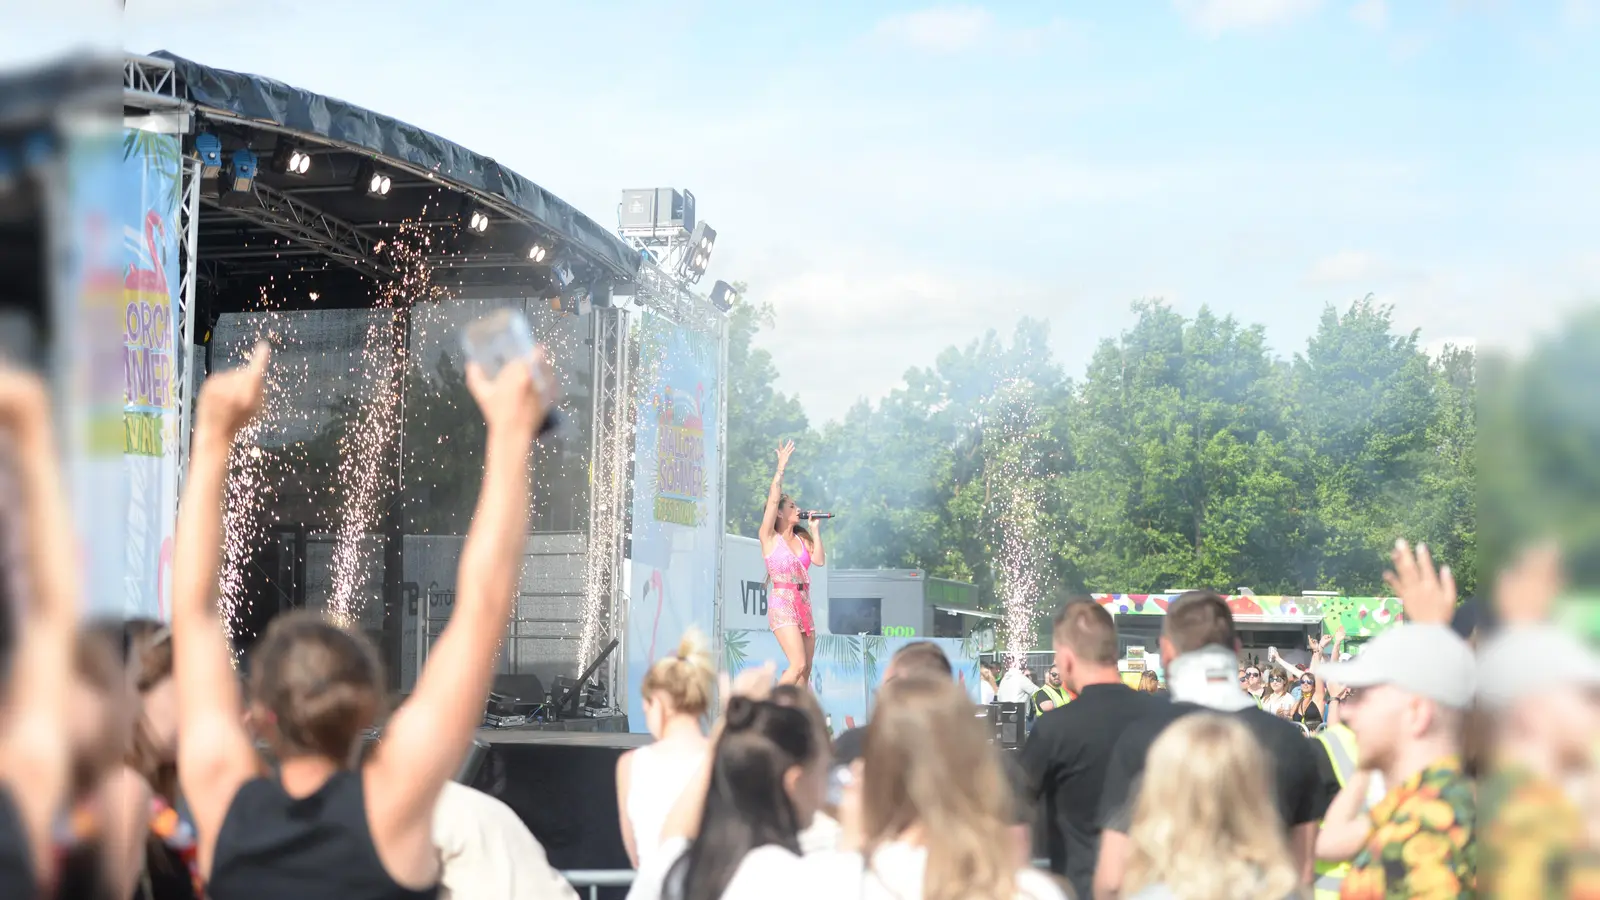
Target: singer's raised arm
<point>769,517</point>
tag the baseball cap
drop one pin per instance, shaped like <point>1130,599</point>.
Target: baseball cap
<point>1208,677</point>
<point>1430,661</point>
<point>1527,659</point>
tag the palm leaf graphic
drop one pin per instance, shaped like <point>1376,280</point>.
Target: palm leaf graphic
<point>872,654</point>
<point>841,652</point>
<point>734,645</point>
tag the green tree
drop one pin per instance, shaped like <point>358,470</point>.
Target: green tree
<point>759,418</point>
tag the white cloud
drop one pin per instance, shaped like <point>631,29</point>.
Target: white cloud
<point>1345,268</point>
<point>1373,14</point>
<point>947,29</point>
<point>1216,17</point>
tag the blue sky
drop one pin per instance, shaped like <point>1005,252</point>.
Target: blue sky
<point>898,177</point>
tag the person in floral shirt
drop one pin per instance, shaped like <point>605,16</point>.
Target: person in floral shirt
<point>1422,840</point>
<point>1411,687</point>
<point>1541,683</point>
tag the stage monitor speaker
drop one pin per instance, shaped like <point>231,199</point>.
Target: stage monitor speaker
<point>1010,720</point>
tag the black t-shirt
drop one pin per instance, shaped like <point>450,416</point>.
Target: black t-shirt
<point>1297,788</point>
<point>1066,758</point>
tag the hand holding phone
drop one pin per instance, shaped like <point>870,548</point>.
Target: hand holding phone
<point>503,338</point>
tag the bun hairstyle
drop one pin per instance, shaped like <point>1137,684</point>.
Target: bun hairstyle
<point>684,679</point>
<point>746,804</point>
<point>322,685</point>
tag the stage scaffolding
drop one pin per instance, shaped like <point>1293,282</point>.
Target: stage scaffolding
<point>580,600</point>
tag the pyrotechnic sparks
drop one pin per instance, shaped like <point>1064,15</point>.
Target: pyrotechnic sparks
<point>1022,567</point>
<point>366,465</point>
<point>613,445</point>
<point>250,482</point>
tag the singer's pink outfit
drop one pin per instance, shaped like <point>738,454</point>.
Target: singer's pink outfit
<point>789,602</point>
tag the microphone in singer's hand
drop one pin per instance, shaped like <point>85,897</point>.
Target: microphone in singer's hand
<point>816,515</point>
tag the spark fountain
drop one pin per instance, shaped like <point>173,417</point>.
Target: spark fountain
<point>1022,568</point>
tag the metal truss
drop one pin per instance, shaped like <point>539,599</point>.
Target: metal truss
<point>611,449</point>
<point>669,297</point>
<point>282,214</point>
<point>188,275</point>
<point>149,83</point>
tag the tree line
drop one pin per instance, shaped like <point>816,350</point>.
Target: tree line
<point>1186,455</point>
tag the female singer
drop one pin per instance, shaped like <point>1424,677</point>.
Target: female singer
<point>790,551</point>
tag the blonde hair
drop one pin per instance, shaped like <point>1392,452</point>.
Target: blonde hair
<point>1197,824</point>
<point>953,788</point>
<point>685,678</point>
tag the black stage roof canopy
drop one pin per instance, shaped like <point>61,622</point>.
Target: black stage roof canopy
<point>319,229</point>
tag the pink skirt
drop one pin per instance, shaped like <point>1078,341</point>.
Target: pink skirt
<point>787,606</point>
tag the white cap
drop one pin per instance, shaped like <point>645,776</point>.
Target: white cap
<point>1430,661</point>
<point>1208,677</point>
<point>1524,660</point>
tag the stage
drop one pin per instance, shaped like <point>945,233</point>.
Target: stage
<point>560,779</point>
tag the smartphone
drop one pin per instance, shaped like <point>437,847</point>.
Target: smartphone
<point>497,339</point>
<point>500,339</point>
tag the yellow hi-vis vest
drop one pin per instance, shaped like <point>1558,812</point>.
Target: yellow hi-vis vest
<point>1340,744</point>
<point>1057,696</point>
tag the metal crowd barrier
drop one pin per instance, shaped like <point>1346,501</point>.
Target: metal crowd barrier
<point>595,879</point>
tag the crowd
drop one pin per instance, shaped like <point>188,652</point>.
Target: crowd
<point>1440,761</point>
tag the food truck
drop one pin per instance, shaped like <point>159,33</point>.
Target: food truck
<point>1284,622</point>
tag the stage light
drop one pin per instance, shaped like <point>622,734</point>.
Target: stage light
<point>538,252</point>
<point>723,296</point>
<point>478,221</point>
<point>208,147</point>
<point>562,275</point>
<point>241,174</point>
<point>372,182</point>
<point>697,256</point>
<point>291,160</point>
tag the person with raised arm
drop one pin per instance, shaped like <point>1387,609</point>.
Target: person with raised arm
<point>35,745</point>
<point>790,551</point>
<point>324,826</point>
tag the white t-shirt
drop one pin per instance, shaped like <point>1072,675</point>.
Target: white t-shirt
<point>985,693</point>
<point>898,871</point>
<point>1016,688</point>
<point>658,775</point>
<point>486,853</point>
<point>766,873</point>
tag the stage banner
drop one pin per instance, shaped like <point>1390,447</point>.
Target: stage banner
<point>152,189</point>
<point>88,324</point>
<point>847,669</point>
<point>677,513</point>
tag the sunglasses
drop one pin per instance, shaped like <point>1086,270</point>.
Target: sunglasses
<point>1276,680</point>
<point>1251,673</point>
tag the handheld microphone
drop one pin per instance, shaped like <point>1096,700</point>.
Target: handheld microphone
<point>816,515</point>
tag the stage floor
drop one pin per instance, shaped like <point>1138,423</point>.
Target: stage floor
<point>616,740</point>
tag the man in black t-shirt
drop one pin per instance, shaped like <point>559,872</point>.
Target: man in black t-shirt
<point>1199,651</point>
<point>1067,754</point>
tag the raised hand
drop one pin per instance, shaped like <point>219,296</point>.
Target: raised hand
<point>1525,592</point>
<point>24,399</point>
<point>1427,594</point>
<point>518,397</point>
<point>229,400</point>
<point>785,450</point>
